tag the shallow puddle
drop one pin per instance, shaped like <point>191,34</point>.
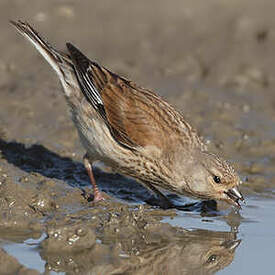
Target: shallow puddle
<point>206,242</point>
<point>27,253</point>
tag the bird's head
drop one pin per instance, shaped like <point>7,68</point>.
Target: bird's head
<point>208,176</point>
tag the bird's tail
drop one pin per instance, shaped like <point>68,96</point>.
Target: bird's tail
<point>59,62</point>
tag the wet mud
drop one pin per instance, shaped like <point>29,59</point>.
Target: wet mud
<point>218,72</point>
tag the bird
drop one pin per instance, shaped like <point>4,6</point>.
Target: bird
<point>134,131</point>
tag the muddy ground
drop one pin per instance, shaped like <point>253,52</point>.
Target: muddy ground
<point>212,59</point>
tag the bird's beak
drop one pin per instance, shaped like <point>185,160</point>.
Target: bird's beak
<point>234,196</point>
<point>231,245</point>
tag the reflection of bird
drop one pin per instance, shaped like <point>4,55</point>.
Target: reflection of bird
<point>134,131</point>
<point>164,252</point>
<point>198,252</point>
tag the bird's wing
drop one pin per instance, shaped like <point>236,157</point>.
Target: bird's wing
<point>136,117</point>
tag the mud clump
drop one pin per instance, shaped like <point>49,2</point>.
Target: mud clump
<point>68,238</point>
<point>43,203</point>
<point>16,212</point>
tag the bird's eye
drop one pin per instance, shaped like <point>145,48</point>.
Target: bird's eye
<point>217,179</point>
<point>212,259</point>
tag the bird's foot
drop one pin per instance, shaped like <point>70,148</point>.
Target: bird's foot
<point>98,197</point>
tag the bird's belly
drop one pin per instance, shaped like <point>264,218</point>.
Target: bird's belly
<point>95,137</point>
<point>100,145</point>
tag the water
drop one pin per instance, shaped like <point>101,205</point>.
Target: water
<point>254,255</point>
<point>27,253</point>
<point>256,252</point>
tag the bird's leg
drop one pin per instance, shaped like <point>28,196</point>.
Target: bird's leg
<point>97,195</point>
<point>165,203</point>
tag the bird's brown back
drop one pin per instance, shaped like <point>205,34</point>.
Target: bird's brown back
<point>136,117</point>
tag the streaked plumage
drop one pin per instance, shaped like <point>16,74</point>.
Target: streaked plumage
<point>133,130</point>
